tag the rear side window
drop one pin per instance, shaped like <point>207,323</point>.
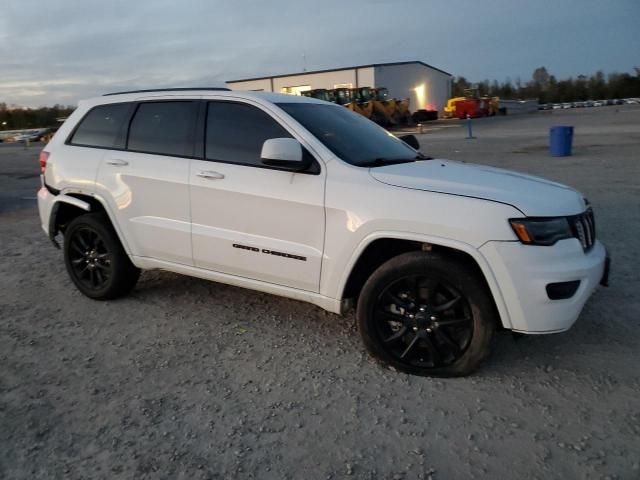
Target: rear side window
<point>165,128</point>
<point>101,126</point>
<point>236,132</point>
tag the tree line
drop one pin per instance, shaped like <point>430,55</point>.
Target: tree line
<point>17,118</point>
<point>548,89</point>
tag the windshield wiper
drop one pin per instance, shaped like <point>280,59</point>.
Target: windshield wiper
<point>381,162</point>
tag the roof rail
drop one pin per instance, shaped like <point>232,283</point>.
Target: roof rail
<point>182,89</point>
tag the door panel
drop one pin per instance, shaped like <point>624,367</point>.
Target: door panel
<point>148,189</point>
<point>258,223</point>
<point>149,195</point>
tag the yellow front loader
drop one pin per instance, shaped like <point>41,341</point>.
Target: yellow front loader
<point>384,109</point>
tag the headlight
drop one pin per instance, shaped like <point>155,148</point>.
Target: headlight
<point>541,231</point>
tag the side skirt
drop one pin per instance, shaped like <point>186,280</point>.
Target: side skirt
<point>332,305</point>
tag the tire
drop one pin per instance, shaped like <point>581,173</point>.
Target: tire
<point>426,314</point>
<point>95,259</point>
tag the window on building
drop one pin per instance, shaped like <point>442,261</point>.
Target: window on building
<point>100,127</point>
<point>296,90</point>
<point>166,128</point>
<point>343,85</point>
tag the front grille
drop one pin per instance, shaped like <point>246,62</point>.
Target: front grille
<point>584,229</point>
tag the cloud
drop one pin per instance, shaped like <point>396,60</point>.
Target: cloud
<point>59,52</point>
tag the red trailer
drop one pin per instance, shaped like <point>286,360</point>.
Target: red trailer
<point>475,107</point>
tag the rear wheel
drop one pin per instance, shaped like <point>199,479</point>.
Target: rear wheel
<point>95,259</point>
<point>426,315</point>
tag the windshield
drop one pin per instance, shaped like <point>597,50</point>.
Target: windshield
<point>349,135</point>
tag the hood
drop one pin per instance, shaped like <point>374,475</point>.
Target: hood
<point>533,196</point>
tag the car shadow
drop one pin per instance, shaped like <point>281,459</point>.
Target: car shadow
<point>512,355</point>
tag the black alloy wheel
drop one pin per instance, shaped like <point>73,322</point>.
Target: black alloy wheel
<point>95,259</point>
<point>90,258</point>
<point>426,313</point>
<point>424,322</point>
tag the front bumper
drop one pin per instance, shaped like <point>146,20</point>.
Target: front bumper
<point>523,272</point>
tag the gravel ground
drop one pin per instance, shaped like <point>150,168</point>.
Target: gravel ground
<point>191,379</point>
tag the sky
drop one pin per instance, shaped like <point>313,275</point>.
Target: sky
<point>64,50</point>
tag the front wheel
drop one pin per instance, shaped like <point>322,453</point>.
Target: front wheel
<point>425,314</point>
<point>95,259</point>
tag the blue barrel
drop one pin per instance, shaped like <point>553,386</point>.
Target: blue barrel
<point>560,141</point>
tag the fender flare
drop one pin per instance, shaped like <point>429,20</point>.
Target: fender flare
<point>62,198</point>
<point>473,252</point>
<point>86,206</point>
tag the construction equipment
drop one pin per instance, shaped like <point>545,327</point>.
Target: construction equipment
<point>320,94</point>
<point>384,109</point>
<point>343,96</point>
<point>494,105</point>
<point>390,111</point>
<point>362,103</point>
<point>472,105</point>
<point>360,100</point>
<point>403,115</point>
<point>372,103</point>
<point>450,109</point>
<point>424,115</point>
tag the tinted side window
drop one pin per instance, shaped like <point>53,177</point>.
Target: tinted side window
<point>236,132</point>
<point>100,127</point>
<point>163,127</point>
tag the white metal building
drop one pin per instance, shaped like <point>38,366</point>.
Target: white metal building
<point>427,87</point>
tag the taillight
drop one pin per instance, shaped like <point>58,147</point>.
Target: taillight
<point>44,156</point>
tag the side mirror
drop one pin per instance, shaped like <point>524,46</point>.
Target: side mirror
<point>411,140</point>
<point>283,152</point>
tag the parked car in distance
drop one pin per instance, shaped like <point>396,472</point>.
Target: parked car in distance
<point>556,106</point>
<point>305,199</point>
<point>28,135</point>
<point>21,137</point>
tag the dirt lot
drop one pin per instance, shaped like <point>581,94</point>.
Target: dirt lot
<point>191,379</point>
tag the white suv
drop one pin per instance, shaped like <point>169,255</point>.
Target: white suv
<point>306,199</point>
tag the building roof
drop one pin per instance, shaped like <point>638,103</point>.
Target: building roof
<point>392,64</point>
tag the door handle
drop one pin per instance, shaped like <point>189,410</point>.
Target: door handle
<point>211,175</point>
<point>117,162</point>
